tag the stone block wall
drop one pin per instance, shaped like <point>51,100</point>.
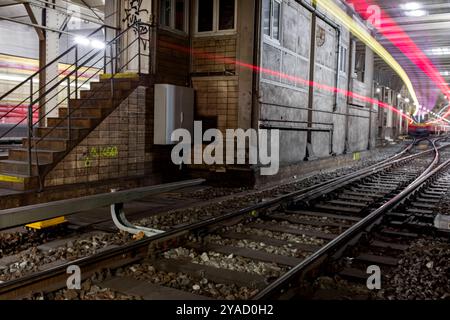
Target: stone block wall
<point>209,54</point>
<point>115,149</point>
<point>217,97</point>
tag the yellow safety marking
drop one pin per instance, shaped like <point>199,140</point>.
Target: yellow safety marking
<point>47,223</point>
<point>125,75</point>
<point>357,156</point>
<point>4,178</point>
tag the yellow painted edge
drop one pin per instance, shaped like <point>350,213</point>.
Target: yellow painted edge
<point>46,223</point>
<point>125,75</point>
<point>4,178</point>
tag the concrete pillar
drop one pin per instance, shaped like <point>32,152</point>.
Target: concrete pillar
<point>390,117</point>
<point>54,20</point>
<point>368,80</point>
<point>130,12</point>
<point>246,44</point>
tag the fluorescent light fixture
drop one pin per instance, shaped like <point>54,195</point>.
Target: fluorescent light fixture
<point>98,44</point>
<point>411,6</point>
<point>440,51</point>
<point>445,73</point>
<point>82,41</point>
<point>416,13</point>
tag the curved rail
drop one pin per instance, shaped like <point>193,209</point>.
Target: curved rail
<point>135,251</point>
<point>284,281</point>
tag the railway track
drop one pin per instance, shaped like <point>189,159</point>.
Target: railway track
<point>407,222</point>
<point>258,252</point>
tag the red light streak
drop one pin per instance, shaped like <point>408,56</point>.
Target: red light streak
<point>257,69</point>
<point>398,37</point>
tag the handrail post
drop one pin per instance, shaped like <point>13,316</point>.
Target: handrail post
<point>139,48</point>
<point>104,54</point>
<point>112,57</point>
<point>30,128</point>
<point>76,73</point>
<point>69,127</point>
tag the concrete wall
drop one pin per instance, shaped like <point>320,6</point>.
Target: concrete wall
<point>280,97</point>
<point>284,94</point>
<point>121,146</point>
<point>220,74</point>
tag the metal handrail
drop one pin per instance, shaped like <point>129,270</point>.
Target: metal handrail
<point>71,78</point>
<point>28,214</point>
<point>48,65</point>
<point>57,59</point>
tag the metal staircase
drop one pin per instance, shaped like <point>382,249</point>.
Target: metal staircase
<point>54,131</point>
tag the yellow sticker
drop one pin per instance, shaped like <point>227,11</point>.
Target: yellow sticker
<point>11,179</point>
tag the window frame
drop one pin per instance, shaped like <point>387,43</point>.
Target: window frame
<point>216,14</point>
<point>343,63</point>
<point>271,22</point>
<point>171,26</point>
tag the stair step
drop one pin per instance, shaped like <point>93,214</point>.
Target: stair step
<point>84,122</point>
<point>104,93</point>
<point>43,155</point>
<point>18,182</point>
<point>93,103</point>
<point>82,112</point>
<point>61,132</point>
<point>19,168</point>
<point>55,144</point>
<point>119,84</point>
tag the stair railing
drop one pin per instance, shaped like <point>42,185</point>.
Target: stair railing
<point>113,58</point>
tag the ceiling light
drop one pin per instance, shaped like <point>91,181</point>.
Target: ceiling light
<point>416,13</point>
<point>98,44</point>
<point>439,51</point>
<point>411,6</point>
<point>407,100</point>
<point>378,90</point>
<point>82,41</point>
<point>399,96</point>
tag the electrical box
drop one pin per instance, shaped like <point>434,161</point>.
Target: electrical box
<point>442,222</point>
<point>174,109</point>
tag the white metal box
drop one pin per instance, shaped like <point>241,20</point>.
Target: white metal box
<point>174,109</point>
<point>442,222</point>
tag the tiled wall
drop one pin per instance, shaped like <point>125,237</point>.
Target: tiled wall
<point>218,97</point>
<point>214,54</point>
<point>115,149</point>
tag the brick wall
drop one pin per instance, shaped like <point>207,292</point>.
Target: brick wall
<point>217,97</point>
<point>172,58</point>
<point>115,149</point>
<point>211,52</point>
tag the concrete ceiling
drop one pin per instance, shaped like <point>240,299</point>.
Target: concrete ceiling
<point>429,31</point>
<point>84,14</point>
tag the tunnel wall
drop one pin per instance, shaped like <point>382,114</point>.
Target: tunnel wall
<point>286,98</point>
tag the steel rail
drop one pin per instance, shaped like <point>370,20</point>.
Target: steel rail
<point>10,218</point>
<point>14,217</point>
<point>36,282</point>
<point>278,286</point>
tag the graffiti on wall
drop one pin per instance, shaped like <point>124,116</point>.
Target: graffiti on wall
<point>100,153</point>
<point>134,14</point>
